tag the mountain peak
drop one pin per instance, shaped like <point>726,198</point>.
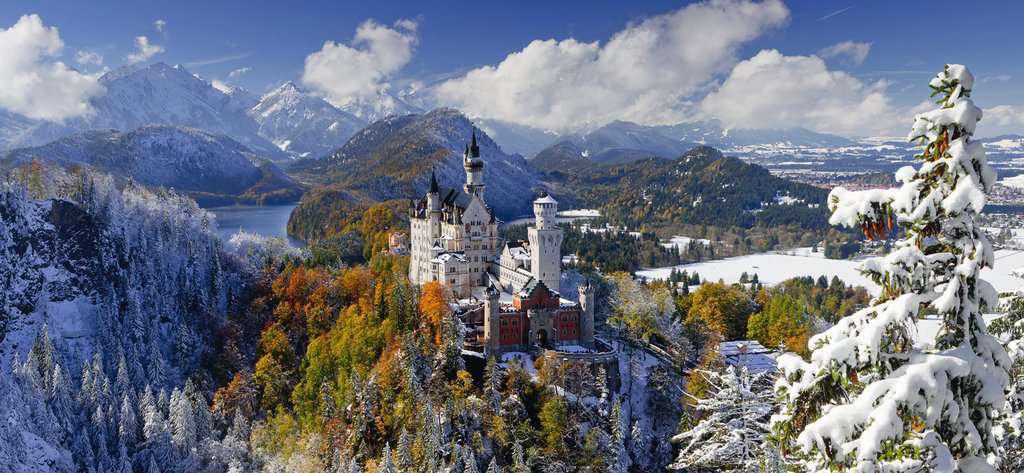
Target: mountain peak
<point>288,87</point>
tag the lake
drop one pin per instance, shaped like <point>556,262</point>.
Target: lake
<point>267,220</point>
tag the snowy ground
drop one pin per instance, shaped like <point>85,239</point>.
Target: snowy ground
<point>580,213</point>
<point>680,243</point>
<point>928,327</point>
<point>775,267</point>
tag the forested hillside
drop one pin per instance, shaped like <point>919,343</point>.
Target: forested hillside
<point>392,160</point>
<point>213,169</point>
<point>700,187</point>
<point>112,303</point>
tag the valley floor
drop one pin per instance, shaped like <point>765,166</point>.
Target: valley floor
<point>777,266</point>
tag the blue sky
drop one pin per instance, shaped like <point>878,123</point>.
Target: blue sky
<point>909,41</point>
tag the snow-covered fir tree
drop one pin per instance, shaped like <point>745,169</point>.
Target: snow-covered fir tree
<point>1010,430</point>
<point>872,398</point>
<point>733,430</point>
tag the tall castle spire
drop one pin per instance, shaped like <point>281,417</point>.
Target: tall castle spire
<point>474,168</point>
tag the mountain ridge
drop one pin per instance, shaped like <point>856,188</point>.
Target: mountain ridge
<point>209,167</point>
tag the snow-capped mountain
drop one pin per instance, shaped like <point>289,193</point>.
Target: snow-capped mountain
<point>627,136</point>
<point>241,98</point>
<point>516,138</point>
<point>713,133</point>
<point>302,124</point>
<point>187,159</point>
<point>621,141</point>
<point>384,104</point>
<point>158,94</point>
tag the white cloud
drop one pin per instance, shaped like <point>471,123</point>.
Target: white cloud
<point>219,59</point>
<point>88,58</point>
<point>771,90</point>
<point>996,78</point>
<point>32,82</point>
<point>643,73</point>
<point>849,52</point>
<point>143,50</point>
<point>239,72</point>
<point>1002,120</point>
<point>407,24</point>
<point>160,25</point>
<point>222,86</point>
<point>346,72</point>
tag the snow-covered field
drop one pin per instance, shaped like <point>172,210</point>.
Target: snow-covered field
<point>680,243</point>
<point>775,267</point>
<point>580,213</point>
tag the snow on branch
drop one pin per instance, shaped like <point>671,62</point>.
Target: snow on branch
<point>872,398</point>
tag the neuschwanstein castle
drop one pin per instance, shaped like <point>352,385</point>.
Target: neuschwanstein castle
<point>509,290</point>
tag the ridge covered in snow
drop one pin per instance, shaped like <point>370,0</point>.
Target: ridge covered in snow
<point>302,124</point>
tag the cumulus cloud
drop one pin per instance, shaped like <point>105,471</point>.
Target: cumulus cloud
<point>160,25</point>
<point>643,73</point>
<point>996,78</point>
<point>1002,120</point>
<point>771,90</point>
<point>143,50</point>
<point>848,52</point>
<point>88,58</point>
<point>239,72</point>
<point>32,82</point>
<point>221,86</point>
<point>347,72</point>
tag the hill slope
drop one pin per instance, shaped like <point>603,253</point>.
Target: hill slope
<point>700,187</point>
<point>393,158</point>
<point>128,288</point>
<point>211,168</point>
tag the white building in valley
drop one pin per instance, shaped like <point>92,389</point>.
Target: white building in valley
<point>453,239</point>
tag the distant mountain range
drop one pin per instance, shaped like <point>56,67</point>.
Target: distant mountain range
<point>285,123</point>
<point>622,142</point>
<point>214,169</point>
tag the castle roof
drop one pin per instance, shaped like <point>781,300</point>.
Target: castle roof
<point>545,198</point>
<point>433,182</point>
<point>518,249</point>
<point>532,285</point>
<point>445,257</point>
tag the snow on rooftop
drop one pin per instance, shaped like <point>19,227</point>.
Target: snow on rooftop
<point>749,353</point>
<point>545,199</point>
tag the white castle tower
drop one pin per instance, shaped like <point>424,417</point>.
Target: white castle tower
<point>474,167</point>
<point>546,243</point>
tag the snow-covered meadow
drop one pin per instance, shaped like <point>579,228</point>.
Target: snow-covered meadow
<point>777,266</point>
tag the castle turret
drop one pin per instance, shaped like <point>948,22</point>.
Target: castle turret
<point>546,243</point>
<point>434,207</point>
<point>492,322</point>
<point>474,167</point>
<point>587,301</point>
